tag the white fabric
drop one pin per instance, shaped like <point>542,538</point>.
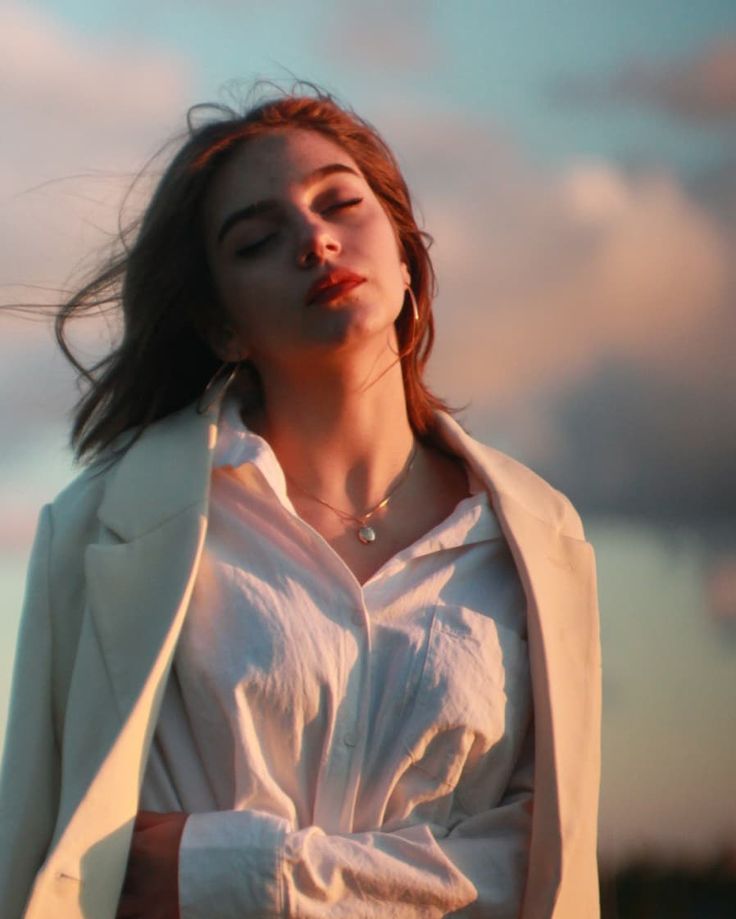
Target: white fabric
<point>110,579</point>
<point>345,750</point>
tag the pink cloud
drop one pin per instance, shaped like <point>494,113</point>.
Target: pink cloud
<point>543,275</point>
<point>586,314</point>
<point>721,589</point>
<point>104,84</point>
<point>80,116</point>
<point>17,527</point>
<point>399,35</point>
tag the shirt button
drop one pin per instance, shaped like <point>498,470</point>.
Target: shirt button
<point>349,739</point>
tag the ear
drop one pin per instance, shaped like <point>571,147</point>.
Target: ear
<point>405,274</point>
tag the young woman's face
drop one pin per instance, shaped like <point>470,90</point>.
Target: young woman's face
<point>304,258</point>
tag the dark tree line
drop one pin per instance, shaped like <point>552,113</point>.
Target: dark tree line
<point>652,890</point>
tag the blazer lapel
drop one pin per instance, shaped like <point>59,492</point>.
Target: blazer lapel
<point>157,505</point>
<point>139,581</point>
<point>557,573</point>
<point>558,576</point>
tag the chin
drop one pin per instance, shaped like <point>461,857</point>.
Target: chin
<point>347,325</point>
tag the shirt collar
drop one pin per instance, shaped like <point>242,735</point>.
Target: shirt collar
<point>472,520</point>
<point>237,446</point>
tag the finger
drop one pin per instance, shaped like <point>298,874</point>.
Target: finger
<point>146,819</point>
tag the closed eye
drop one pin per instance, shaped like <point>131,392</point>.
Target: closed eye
<point>253,248</point>
<point>351,202</point>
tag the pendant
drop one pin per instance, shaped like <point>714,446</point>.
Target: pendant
<point>366,534</point>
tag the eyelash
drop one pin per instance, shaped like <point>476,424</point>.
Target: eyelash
<point>256,247</point>
<point>351,202</point>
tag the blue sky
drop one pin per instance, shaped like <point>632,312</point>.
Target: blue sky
<point>576,163</point>
<point>496,60</point>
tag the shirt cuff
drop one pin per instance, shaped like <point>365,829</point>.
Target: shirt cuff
<point>230,864</point>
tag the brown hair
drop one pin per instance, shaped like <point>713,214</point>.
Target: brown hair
<point>161,280</point>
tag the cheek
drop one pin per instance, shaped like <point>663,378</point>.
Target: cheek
<point>392,261</point>
<point>389,232</point>
<point>391,251</point>
<point>261,311</point>
<point>246,298</point>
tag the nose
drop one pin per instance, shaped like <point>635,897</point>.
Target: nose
<point>316,244</point>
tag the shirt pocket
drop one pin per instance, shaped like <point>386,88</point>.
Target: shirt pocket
<point>473,693</point>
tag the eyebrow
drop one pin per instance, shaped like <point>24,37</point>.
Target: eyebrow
<point>270,204</point>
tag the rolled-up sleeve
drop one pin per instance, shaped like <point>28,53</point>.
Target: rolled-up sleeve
<point>241,864</point>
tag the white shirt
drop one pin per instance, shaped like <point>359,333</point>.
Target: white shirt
<point>345,750</point>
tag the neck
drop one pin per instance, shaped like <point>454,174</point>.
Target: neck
<point>342,434</point>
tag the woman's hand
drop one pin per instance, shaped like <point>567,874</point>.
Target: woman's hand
<point>151,887</point>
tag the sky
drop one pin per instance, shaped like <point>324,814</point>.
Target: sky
<point>575,162</point>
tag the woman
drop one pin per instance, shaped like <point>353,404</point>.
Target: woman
<point>295,644</point>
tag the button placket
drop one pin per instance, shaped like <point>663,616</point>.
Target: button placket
<point>340,778</point>
<point>355,738</point>
<point>351,709</point>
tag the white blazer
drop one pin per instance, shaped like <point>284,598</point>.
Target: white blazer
<point>111,574</point>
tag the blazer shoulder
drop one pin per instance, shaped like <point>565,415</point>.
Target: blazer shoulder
<point>73,513</point>
<point>540,497</point>
<point>506,477</point>
<point>83,494</point>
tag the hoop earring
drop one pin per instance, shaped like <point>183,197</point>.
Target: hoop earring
<point>224,375</point>
<point>414,304</point>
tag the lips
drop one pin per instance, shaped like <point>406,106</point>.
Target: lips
<point>332,285</point>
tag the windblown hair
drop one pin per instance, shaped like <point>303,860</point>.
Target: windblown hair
<point>160,280</point>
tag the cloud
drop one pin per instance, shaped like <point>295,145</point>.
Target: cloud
<point>699,88</point>
<point>634,443</point>
<point>721,596</point>
<point>388,40</point>
<point>18,525</point>
<point>100,85</point>
<point>79,116</point>
<point>555,273</point>
<point>715,188</point>
<point>587,315</point>
<point>653,419</point>
<point>575,304</point>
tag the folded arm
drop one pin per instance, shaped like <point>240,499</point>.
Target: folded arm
<point>241,864</point>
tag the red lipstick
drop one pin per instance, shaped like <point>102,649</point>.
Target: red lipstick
<point>332,285</point>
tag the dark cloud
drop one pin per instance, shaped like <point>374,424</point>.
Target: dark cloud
<point>612,291</point>
<point>647,445</point>
<point>589,319</point>
<point>636,445</point>
<point>715,188</point>
<point>699,88</point>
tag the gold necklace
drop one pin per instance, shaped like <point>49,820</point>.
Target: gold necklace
<point>366,534</point>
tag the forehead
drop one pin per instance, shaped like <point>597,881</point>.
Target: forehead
<point>269,165</point>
